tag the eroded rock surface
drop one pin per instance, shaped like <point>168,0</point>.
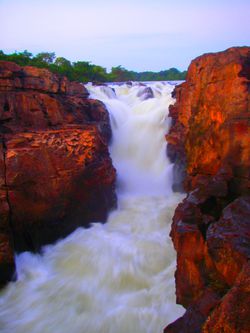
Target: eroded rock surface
<point>210,139</point>
<point>55,170</point>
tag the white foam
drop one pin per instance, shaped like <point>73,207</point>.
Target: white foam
<point>117,277</point>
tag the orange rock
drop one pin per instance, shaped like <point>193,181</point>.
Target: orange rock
<point>7,265</point>
<point>55,170</point>
<point>210,139</point>
<point>228,239</point>
<point>211,114</point>
<point>13,76</point>
<point>233,313</point>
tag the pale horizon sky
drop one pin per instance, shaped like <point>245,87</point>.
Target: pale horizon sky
<point>136,34</point>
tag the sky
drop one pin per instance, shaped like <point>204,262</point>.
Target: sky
<point>136,34</point>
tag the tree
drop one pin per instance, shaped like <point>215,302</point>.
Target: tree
<point>120,74</point>
<point>62,66</point>
<point>26,54</point>
<point>45,57</point>
<point>62,62</point>
<point>82,71</point>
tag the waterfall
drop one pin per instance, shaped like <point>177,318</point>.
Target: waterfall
<point>116,277</point>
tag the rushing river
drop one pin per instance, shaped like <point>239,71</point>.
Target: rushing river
<point>116,277</point>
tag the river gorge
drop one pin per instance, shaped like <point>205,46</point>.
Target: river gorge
<point>112,159</point>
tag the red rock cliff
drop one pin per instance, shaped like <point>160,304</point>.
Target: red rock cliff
<point>210,136</point>
<point>55,170</point>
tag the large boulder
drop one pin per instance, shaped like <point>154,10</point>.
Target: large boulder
<point>55,170</point>
<point>210,138</point>
<point>211,115</point>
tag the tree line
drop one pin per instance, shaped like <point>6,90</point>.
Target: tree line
<point>85,71</point>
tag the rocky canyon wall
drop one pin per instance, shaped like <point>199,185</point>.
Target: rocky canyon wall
<point>55,170</point>
<point>210,140</point>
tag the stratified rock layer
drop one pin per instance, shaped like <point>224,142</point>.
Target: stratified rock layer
<point>55,170</point>
<point>210,139</point>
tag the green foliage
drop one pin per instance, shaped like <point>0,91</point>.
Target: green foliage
<point>120,74</point>
<point>62,66</point>
<point>84,71</point>
<point>21,58</point>
<point>45,57</point>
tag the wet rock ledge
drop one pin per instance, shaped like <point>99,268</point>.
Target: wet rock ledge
<point>210,140</point>
<point>55,170</point>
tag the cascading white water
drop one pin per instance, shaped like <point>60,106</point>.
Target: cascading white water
<point>117,277</point>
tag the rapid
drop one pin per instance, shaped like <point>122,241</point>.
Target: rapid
<point>116,277</point>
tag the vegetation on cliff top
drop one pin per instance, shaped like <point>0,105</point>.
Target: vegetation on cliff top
<point>84,71</point>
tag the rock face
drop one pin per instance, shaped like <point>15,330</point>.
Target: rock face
<point>55,170</point>
<point>210,139</point>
